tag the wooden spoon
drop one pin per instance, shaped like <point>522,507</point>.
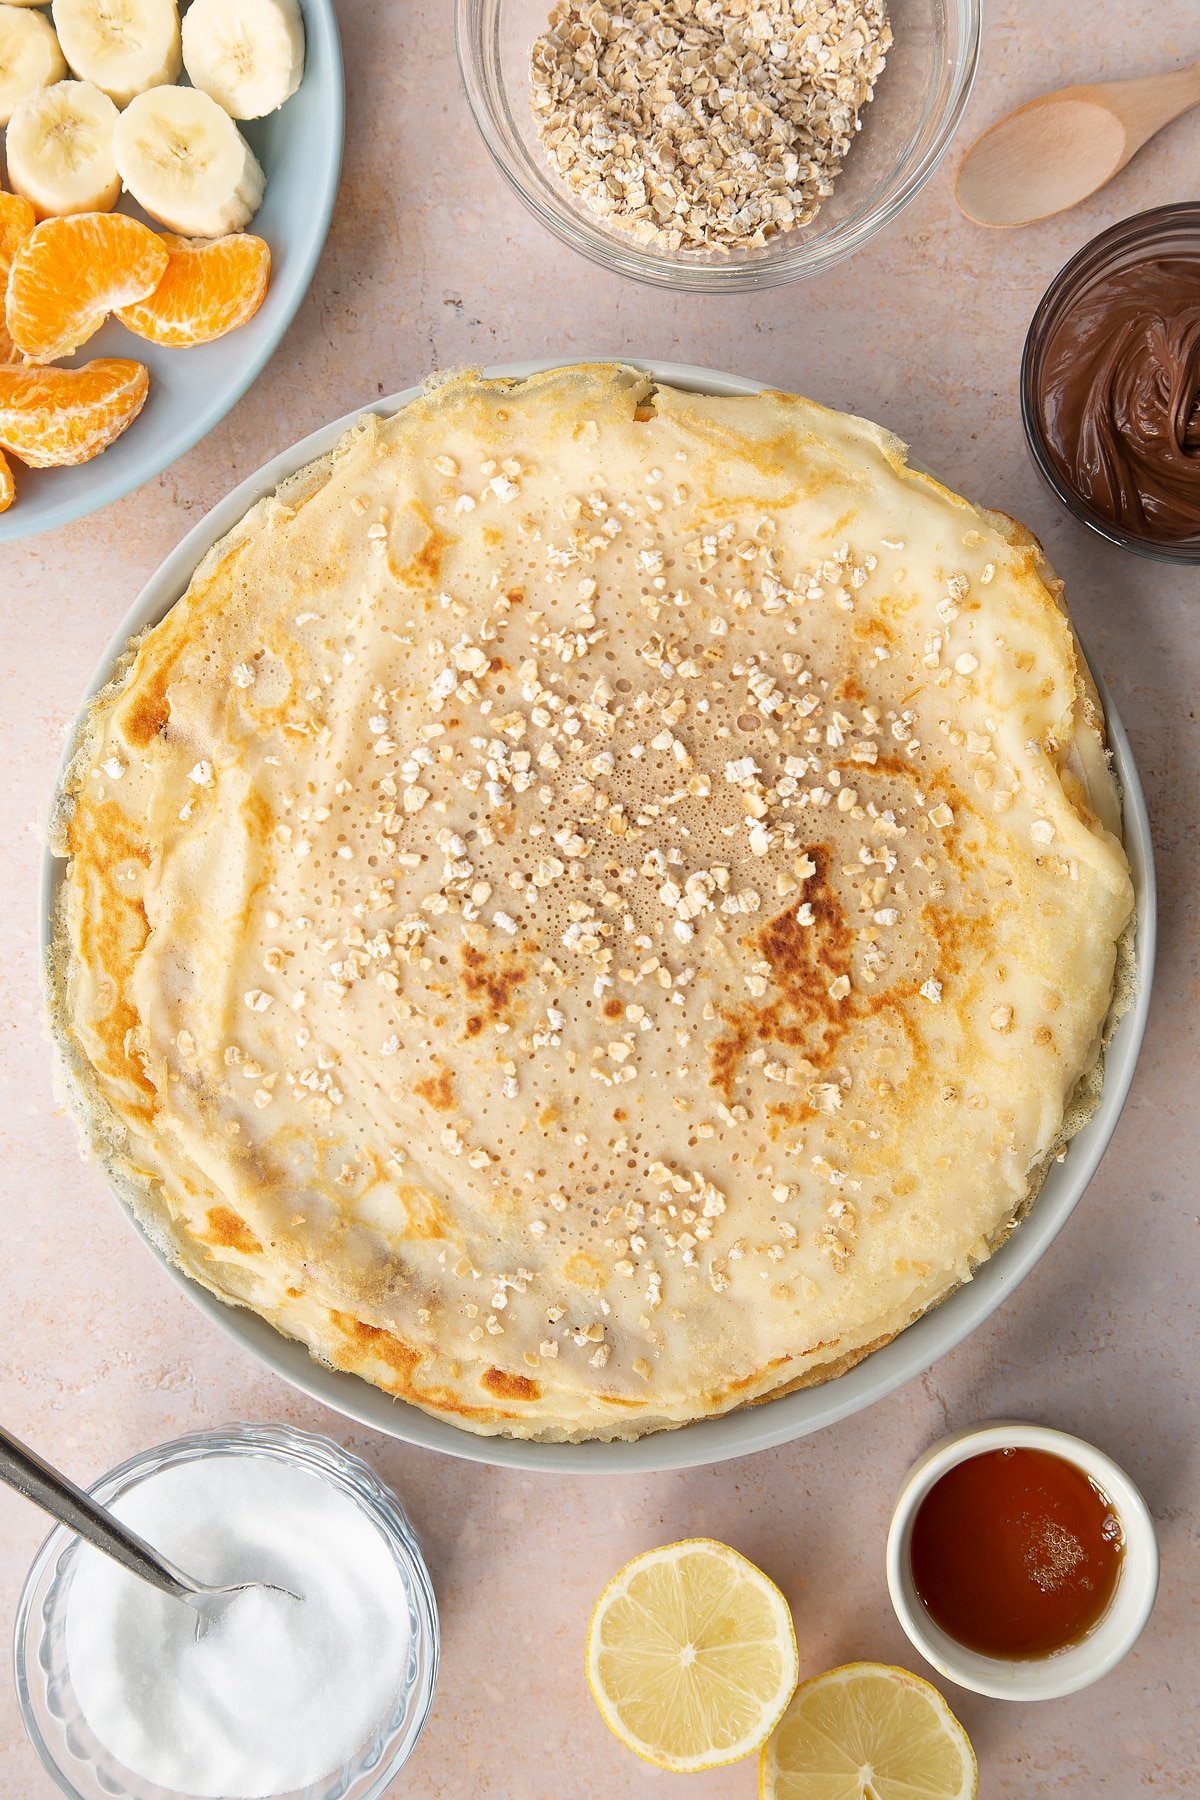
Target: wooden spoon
<point>1058,149</point>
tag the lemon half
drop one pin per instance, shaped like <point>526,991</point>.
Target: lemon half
<point>691,1655</point>
<point>868,1732</point>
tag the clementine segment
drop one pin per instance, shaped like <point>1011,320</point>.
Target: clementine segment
<point>17,220</point>
<point>51,417</point>
<point>8,487</point>
<point>212,285</point>
<point>70,273</point>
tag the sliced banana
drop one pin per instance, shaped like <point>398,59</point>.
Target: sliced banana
<point>60,154</point>
<point>29,56</point>
<point>186,163</point>
<point>248,54</point>
<point>122,46</point>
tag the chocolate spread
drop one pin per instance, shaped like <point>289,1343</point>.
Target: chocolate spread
<point>1120,397</point>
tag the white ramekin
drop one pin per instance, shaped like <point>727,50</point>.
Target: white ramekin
<point>1114,1634</point>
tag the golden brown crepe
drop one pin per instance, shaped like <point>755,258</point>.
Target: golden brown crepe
<point>596,906</point>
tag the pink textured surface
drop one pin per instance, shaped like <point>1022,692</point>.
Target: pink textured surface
<point>432,263</point>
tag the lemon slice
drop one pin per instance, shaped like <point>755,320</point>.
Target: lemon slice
<point>868,1732</point>
<point>691,1655</point>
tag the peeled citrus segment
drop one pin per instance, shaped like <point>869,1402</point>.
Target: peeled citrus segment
<point>691,1655</point>
<point>70,273</point>
<point>17,220</point>
<point>868,1732</point>
<point>8,487</point>
<point>52,417</point>
<point>212,285</point>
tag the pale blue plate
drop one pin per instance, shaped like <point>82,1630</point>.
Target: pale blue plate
<point>300,148</point>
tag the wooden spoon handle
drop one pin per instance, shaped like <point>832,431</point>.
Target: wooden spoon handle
<point>1149,103</point>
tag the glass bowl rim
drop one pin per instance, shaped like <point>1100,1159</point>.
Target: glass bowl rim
<point>802,261</point>
<point>314,1451</point>
<point>1089,260</point>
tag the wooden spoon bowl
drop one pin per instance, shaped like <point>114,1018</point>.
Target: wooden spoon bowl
<point>1056,150</point>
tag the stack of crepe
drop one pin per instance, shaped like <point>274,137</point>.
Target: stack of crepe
<point>598,904</point>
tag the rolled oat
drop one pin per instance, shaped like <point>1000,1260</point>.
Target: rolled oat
<point>705,124</point>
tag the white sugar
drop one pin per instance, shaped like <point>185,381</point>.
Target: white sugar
<point>279,1693</point>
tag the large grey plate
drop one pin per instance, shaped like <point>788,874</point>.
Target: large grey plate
<point>300,149</point>
<point>756,1427</point>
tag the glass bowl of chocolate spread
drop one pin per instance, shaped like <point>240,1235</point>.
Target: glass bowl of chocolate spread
<point>1110,384</point>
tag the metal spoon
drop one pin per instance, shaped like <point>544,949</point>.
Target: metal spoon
<point>21,1469</point>
<point>1056,150</point>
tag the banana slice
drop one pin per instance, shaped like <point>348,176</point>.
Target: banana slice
<point>29,56</point>
<point>122,46</point>
<point>60,154</point>
<point>186,163</point>
<point>248,54</point>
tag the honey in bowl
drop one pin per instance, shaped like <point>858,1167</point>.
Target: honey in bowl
<point>1016,1553</point>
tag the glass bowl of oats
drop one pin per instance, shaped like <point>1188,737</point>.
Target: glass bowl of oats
<point>717,144</point>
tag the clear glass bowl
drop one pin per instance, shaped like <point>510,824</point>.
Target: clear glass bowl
<point>69,1750</point>
<point>907,128</point>
<point>1163,231</point>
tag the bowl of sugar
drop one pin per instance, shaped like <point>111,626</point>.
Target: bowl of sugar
<point>318,1691</point>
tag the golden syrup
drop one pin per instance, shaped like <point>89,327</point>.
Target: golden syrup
<point>1016,1553</point>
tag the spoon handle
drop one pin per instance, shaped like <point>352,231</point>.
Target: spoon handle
<point>1149,103</point>
<point>21,1469</point>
